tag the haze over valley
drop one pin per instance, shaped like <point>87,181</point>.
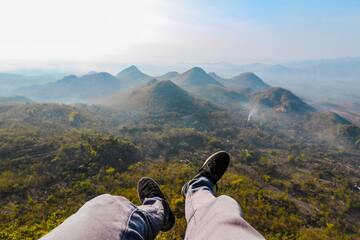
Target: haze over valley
<point>95,95</point>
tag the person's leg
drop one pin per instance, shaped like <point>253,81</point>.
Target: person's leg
<point>103,217</point>
<point>153,216</point>
<point>210,217</point>
<point>146,221</point>
<point>115,217</point>
<point>198,194</point>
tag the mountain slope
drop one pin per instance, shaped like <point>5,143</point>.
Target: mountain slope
<point>346,111</point>
<point>282,175</point>
<point>281,100</point>
<point>247,80</point>
<point>195,78</point>
<point>162,97</point>
<point>46,115</point>
<point>132,76</point>
<point>352,117</point>
<point>169,76</point>
<point>9,82</point>
<point>331,128</point>
<point>216,77</point>
<point>225,97</point>
<point>72,88</point>
<point>14,100</point>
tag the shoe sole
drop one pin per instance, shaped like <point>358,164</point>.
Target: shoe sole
<point>137,187</point>
<point>212,155</point>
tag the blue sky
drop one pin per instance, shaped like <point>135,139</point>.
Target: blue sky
<point>284,11</point>
<point>175,31</point>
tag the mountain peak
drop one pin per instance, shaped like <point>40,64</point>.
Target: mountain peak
<point>72,88</point>
<point>168,76</point>
<point>249,74</point>
<point>90,72</point>
<point>102,75</point>
<point>67,77</point>
<point>248,80</point>
<point>130,69</point>
<point>197,77</point>
<point>282,100</point>
<point>162,97</point>
<point>197,69</point>
<point>132,76</point>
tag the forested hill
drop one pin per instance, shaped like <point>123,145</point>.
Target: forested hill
<point>291,183</point>
<point>294,170</point>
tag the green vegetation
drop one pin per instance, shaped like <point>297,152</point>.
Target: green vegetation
<point>53,158</point>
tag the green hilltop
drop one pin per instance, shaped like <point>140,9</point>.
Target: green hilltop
<point>294,169</point>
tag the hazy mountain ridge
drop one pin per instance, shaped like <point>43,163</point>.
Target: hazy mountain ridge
<point>161,98</point>
<point>239,92</point>
<point>74,88</point>
<point>286,166</point>
<point>132,76</point>
<point>215,76</point>
<point>56,116</point>
<point>246,80</point>
<point>281,100</point>
<point>336,79</point>
<point>95,95</point>
<point>166,102</point>
<point>225,97</point>
<point>173,75</point>
<point>348,111</point>
<point>227,92</point>
<point>196,78</point>
<point>95,85</point>
<point>9,82</point>
<point>14,100</point>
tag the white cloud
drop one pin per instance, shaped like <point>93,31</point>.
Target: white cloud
<point>81,29</point>
<point>155,31</point>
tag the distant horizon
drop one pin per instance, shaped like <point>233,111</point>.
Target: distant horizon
<point>82,67</point>
<point>178,31</point>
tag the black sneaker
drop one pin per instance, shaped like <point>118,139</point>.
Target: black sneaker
<point>148,188</point>
<point>214,167</point>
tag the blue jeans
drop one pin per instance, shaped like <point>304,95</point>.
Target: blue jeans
<point>116,218</point>
<point>209,217</point>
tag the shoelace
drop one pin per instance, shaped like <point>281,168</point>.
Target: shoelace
<point>150,190</point>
